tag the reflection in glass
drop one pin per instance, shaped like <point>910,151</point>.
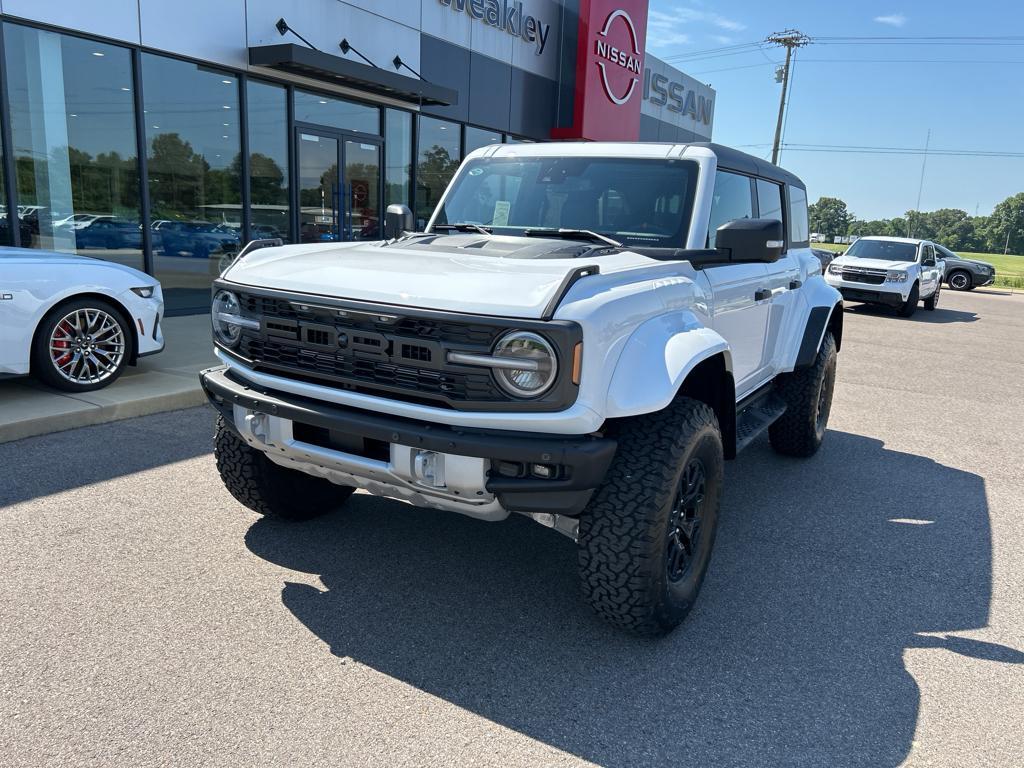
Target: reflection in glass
<point>478,137</point>
<point>398,149</point>
<point>268,160</point>
<point>336,113</point>
<point>362,185</point>
<point>438,157</point>
<point>5,228</point>
<point>195,163</point>
<point>73,135</point>
<point>319,195</point>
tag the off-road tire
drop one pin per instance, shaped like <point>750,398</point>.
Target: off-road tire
<point>807,393</point>
<point>933,301</point>
<point>910,305</point>
<point>960,280</point>
<point>264,487</point>
<point>625,532</point>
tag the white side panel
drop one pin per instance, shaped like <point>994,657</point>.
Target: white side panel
<point>446,24</point>
<point>677,98</point>
<point>211,31</point>
<point>116,19</point>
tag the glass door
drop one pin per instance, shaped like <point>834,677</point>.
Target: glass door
<point>320,201</point>
<point>362,190</point>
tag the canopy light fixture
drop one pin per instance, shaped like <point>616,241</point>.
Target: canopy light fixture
<point>346,47</point>
<point>283,28</point>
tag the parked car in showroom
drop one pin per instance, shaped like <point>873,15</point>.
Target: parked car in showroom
<point>583,335</point>
<point>898,272</point>
<point>196,238</point>
<point>75,322</point>
<point>965,274</point>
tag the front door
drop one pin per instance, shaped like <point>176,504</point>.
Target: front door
<point>337,206</point>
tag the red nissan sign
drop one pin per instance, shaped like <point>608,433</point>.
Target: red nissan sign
<point>609,71</point>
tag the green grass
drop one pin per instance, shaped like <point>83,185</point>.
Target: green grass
<point>1009,268</point>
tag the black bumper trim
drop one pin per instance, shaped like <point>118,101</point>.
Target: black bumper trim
<point>872,297</point>
<point>587,458</point>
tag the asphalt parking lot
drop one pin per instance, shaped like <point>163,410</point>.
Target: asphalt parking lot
<point>863,607</point>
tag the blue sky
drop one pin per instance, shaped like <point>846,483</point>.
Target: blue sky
<point>840,98</point>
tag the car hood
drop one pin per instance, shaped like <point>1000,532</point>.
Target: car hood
<point>849,261</point>
<point>449,273</point>
<point>55,259</point>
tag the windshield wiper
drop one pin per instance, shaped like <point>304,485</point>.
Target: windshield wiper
<point>463,226</point>
<point>572,234</point>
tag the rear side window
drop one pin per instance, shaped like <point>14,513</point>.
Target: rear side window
<point>769,200</point>
<point>799,233</point>
<point>732,199</point>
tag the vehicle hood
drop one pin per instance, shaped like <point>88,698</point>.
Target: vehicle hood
<point>450,273</point>
<point>976,261</point>
<point>54,259</point>
<point>849,261</point>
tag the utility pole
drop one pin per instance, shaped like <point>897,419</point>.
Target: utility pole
<point>789,39</point>
<point>920,187</point>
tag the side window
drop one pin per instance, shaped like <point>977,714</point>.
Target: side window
<point>769,200</point>
<point>731,200</point>
<point>798,229</point>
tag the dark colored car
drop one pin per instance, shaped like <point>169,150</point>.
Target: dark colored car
<point>196,238</point>
<point>965,274</point>
<point>825,257</point>
<point>109,233</point>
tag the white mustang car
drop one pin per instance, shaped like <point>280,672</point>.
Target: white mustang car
<point>72,321</point>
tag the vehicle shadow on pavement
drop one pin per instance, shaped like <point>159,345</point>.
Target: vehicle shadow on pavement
<point>72,458</point>
<point>824,572</point>
<point>939,315</point>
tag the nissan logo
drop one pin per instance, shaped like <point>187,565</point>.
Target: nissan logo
<point>620,60</point>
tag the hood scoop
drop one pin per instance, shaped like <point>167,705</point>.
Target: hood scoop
<point>498,245</point>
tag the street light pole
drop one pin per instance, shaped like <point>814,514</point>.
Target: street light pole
<point>789,39</point>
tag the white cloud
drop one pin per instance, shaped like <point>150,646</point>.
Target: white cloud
<point>664,27</point>
<point>892,20</point>
<point>722,39</point>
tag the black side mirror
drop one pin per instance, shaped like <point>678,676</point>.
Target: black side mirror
<point>398,219</point>
<point>750,240</point>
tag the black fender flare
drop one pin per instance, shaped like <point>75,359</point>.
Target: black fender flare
<point>819,319</point>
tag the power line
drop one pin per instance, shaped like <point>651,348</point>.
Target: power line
<point>859,149</point>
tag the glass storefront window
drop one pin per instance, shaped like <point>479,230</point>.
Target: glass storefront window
<point>268,160</point>
<point>195,167</point>
<point>478,137</point>
<point>438,156</point>
<point>5,222</point>
<point>398,148</point>
<point>73,136</point>
<point>336,113</point>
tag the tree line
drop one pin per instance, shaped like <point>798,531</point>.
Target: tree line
<point>1000,232</point>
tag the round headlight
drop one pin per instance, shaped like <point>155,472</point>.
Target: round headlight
<point>225,307</point>
<point>539,364</point>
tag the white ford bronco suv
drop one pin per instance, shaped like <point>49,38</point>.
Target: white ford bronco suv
<point>898,272</point>
<point>582,334</point>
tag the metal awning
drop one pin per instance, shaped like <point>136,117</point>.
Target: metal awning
<point>318,65</point>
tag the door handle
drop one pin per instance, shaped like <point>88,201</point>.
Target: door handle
<point>762,294</point>
<point>794,284</point>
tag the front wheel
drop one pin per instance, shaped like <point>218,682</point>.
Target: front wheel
<point>960,281</point>
<point>807,393</point>
<point>270,489</point>
<point>933,301</point>
<point>82,345</point>
<point>909,307</point>
<point>645,539</point>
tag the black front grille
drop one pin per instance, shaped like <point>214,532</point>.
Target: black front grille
<point>395,353</point>
<point>869,276</point>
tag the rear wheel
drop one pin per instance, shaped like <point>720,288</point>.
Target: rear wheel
<point>645,539</point>
<point>959,280</point>
<point>910,305</point>
<point>81,345</point>
<point>807,393</point>
<point>270,489</point>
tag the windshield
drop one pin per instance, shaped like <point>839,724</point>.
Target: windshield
<point>886,250</point>
<point>638,202</point>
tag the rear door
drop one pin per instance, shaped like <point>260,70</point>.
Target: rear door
<point>741,295</point>
<point>783,275</point>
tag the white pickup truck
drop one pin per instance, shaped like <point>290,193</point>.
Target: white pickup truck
<point>583,334</point>
<point>897,272</point>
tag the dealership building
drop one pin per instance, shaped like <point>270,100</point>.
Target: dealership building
<point>164,134</point>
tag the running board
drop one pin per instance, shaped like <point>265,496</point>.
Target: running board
<point>755,416</point>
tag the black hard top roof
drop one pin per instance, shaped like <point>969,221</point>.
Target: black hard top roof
<point>734,160</point>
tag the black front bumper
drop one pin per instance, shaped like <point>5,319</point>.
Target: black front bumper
<point>583,460</point>
<point>872,297</point>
